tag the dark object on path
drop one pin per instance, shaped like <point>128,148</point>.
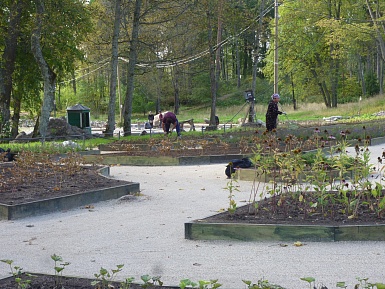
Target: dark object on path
<point>7,155</point>
<point>237,163</point>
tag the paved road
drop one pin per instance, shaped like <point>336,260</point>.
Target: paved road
<point>146,234</point>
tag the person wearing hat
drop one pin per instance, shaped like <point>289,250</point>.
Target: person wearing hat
<point>273,112</point>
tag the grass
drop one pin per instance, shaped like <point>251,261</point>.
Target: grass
<point>356,112</point>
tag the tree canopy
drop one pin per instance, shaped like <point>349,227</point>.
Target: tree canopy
<point>153,55</point>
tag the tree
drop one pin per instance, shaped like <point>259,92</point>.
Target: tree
<point>7,64</point>
<point>127,107</point>
<point>114,68</point>
<point>49,76</point>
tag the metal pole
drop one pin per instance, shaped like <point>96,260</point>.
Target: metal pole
<point>276,48</point>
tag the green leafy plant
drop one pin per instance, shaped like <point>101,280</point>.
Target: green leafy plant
<point>184,283</point>
<point>59,267</point>
<point>126,284</point>
<point>16,272</point>
<point>231,188</point>
<point>261,284</point>
<point>149,281</point>
<point>209,284</point>
<point>105,277</point>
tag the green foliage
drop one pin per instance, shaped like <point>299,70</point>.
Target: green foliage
<point>371,84</point>
<point>261,284</point>
<point>59,267</point>
<point>105,277</point>
<point>149,281</point>
<point>16,273</point>
<point>231,188</point>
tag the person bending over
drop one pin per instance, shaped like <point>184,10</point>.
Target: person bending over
<point>169,122</point>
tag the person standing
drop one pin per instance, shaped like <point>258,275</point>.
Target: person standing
<point>273,112</point>
<point>160,119</point>
<point>169,122</point>
<point>151,119</point>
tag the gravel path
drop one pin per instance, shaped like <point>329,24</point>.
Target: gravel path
<point>146,234</point>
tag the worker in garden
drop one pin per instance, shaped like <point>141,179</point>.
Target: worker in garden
<point>169,122</point>
<point>273,112</point>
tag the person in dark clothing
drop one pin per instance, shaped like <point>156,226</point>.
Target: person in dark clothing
<point>273,112</point>
<point>169,122</point>
<point>151,119</point>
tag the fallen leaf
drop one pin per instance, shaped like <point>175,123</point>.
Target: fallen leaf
<point>298,244</point>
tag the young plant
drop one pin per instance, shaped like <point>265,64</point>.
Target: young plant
<point>231,189</point>
<point>209,284</point>
<point>59,267</point>
<point>104,277</point>
<point>261,284</point>
<point>16,272</point>
<point>184,283</point>
<point>126,284</point>
<point>149,281</point>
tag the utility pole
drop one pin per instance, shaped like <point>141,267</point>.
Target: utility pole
<point>276,47</point>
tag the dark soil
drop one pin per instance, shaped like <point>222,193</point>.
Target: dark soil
<point>41,182</point>
<point>293,214</point>
<point>39,281</point>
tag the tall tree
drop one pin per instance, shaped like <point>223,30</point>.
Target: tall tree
<point>114,70</point>
<point>48,75</point>
<point>7,63</point>
<point>127,107</point>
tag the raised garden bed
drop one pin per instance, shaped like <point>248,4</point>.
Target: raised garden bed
<point>44,191</point>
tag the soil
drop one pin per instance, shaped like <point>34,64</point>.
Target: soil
<point>43,182</point>
<point>293,214</point>
<point>41,281</point>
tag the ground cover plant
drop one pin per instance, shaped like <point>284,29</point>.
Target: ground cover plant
<point>108,279</point>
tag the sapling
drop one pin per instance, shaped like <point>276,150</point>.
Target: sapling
<point>16,272</point>
<point>58,269</point>
<point>261,284</point>
<point>126,284</point>
<point>150,281</point>
<point>209,284</point>
<point>231,188</point>
<point>104,277</point>
<point>187,283</point>
<point>309,280</point>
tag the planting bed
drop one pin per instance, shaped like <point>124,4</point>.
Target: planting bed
<point>39,281</point>
<point>44,189</point>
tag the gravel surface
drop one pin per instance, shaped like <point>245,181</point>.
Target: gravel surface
<point>146,234</point>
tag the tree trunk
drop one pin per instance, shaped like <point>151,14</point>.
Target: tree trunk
<point>217,67</point>
<point>256,47</point>
<point>213,86</point>
<point>7,65</point>
<point>16,114</point>
<point>238,62</point>
<point>175,83</point>
<point>48,75</point>
<point>380,39</point>
<point>114,71</point>
<point>127,108</point>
